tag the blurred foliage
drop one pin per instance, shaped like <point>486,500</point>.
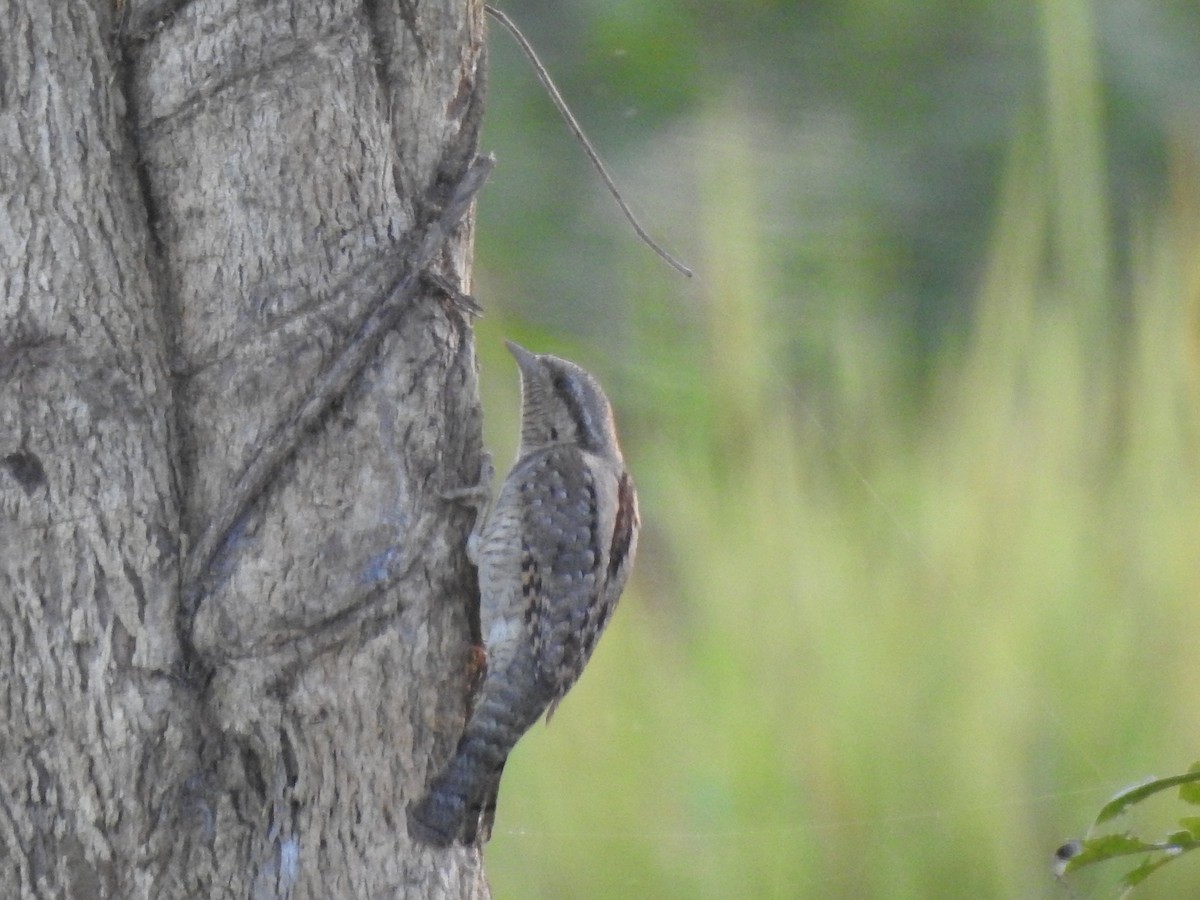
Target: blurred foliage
<point>1151,855</point>
<point>917,448</point>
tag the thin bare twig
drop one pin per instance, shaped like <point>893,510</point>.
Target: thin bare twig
<point>577,130</point>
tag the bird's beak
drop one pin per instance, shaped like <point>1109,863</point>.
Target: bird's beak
<point>525,360</point>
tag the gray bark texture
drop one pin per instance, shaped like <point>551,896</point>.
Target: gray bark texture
<point>234,608</point>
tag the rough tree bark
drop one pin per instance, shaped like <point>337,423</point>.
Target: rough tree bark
<point>201,203</point>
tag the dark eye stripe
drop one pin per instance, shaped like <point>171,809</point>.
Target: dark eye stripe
<point>585,430</point>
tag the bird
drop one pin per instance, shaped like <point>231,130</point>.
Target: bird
<point>553,553</point>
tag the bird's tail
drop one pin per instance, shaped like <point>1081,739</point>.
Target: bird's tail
<point>465,791</point>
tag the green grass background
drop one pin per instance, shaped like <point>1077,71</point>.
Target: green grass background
<point>917,591</point>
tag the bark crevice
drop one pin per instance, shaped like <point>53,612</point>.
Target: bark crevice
<point>204,207</point>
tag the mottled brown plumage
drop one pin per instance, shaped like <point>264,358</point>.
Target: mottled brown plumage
<point>553,555</point>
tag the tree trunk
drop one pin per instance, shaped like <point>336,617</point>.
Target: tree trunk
<point>234,609</point>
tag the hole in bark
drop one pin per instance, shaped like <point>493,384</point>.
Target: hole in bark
<point>27,469</point>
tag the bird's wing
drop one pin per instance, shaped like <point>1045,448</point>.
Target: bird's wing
<point>563,564</point>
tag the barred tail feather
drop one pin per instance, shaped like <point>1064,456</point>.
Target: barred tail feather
<point>438,818</point>
<point>465,792</point>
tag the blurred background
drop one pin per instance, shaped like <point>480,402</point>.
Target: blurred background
<point>918,448</point>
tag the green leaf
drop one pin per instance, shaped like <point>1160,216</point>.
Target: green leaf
<point>1136,793</point>
<point>1077,854</point>
<point>1148,867</point>
<point>1192,824</point>
<point>1190,792</point>
<point>1179,840</point>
